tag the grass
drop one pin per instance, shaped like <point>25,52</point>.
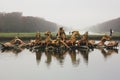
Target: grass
<point>17,34</point>
<point>27,35</point>
<point>117,34</point>
<point>21,34</point>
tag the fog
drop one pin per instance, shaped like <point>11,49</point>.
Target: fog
<point>70,13</point>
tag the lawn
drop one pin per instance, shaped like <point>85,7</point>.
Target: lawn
<point>32,35</point>
<point>21,34</point>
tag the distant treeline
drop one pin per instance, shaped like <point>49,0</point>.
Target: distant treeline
<point>106,26</point>
<point>15,22</point>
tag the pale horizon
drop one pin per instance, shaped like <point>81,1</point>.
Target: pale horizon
<point>70,13</point>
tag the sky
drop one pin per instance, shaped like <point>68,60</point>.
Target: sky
<point>73,14</point>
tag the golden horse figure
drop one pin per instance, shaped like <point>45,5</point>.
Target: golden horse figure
<point>85,43</point>
<point>83,40</point>
<point>59,43</point>
<point>101,43</point>
<point>37,40</point>
<point>52,44</point>
<point>112,44</point>
<point>48,40</point>
<point>73,38</point>
<point>15,42</point>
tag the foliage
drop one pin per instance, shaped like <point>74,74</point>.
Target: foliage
<point>106,26</point>
<point>15,22</point>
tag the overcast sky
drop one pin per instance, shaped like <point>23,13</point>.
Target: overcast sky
<point>71,13</point>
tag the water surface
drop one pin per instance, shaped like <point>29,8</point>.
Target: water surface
<point>100,64</point>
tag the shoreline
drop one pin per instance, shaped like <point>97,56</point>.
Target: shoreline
<point>91,37</point>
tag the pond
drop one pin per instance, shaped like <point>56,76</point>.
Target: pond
<point>99,64</point>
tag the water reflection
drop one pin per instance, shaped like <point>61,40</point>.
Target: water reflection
<point>49,57</point>
<point>73,55</point>
<point>85,55</point>
<point>38,56</point>
<point>15,51</point>
<point>60,56</point>
<point>108,52</point>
